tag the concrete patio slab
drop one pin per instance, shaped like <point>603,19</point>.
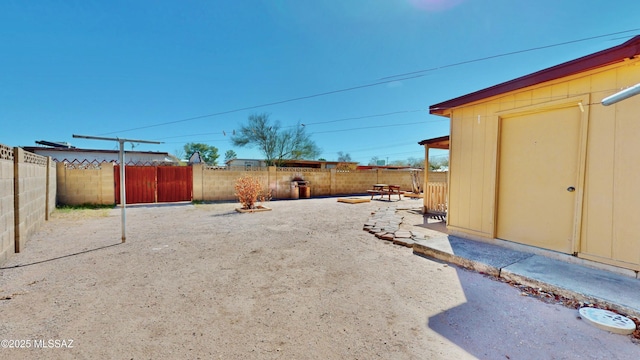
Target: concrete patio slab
<point>481,257</point>
<point>618,292</point>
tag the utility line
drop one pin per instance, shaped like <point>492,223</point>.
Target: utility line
<point>338,130</point>
<point>506,54</point>
<point>363,117</point>
<point>305,124</point>
<point>263,105</point>
<point>384,80</point>
<point>367,127</point>
<point>373,148</point>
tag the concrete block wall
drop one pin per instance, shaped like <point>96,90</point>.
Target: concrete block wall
<point>53,187</point>
<point>7,234</point>
<point>85,185</point>
<point>212,184</point>
<point>215,184</point>
<point>402,178</point>
<point>355,182</point>
<point>436,177</point>
<point>27,197</point>
<point>319,181</point>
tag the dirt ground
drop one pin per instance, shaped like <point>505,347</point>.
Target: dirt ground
<point>302,281</point>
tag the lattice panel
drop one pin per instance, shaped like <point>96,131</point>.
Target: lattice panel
<point>31,158</point>
<point>150,163</point>
<point>6,153</point>
<point>297,170</point>
<point>82,165</point>
<point>237,168</point>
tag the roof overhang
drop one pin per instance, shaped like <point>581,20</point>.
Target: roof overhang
<point>620,53</point>
<point>441,142</point>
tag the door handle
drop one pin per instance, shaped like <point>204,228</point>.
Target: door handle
<point>571,189</point>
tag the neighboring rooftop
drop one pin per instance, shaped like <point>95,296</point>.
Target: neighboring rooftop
<point>61,144</point>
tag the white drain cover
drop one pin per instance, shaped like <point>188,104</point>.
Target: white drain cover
<point>608,320</point>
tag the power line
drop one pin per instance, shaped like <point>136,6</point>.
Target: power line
<point>384,80</point>
<point>507,54</point>
<point>537,99</point>
<point>222,132</point>
<point>364,117</point>
<point>196,141</point>
<point>373,148</point>
<point>367,127</point>
<point>263,105</point>
<point>199,134</point>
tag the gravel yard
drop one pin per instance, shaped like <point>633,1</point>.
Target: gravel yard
<point>302,281</point>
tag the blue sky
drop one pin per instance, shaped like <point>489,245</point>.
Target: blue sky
<point>136,69</point>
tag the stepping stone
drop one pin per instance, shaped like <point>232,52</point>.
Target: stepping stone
<point>403,234</point>
<point>353,200</point>
<point>404,242</point>
<point>387,236</point>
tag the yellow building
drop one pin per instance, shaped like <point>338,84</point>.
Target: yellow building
<point>539,161</point>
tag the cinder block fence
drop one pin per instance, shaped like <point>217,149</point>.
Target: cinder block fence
<point>212,184</point>
<point>31,185</point>
<point>27,196</point>
<point>95,184</point>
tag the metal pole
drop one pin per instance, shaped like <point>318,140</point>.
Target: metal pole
<point>123,192</point>
<point>621,95</point>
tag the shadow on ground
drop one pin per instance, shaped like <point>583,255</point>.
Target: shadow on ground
<point>498,322</point>
<point>59,257</point>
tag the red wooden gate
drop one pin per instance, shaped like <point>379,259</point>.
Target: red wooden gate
<point>149,184</point>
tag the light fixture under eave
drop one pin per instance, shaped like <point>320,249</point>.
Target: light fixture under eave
<point>621,95</point>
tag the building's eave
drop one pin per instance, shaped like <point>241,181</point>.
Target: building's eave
<point>626,50</point>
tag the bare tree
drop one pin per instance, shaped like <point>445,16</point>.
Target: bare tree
<point>415,162</point>
<point>276,144</point>
<point>342,157</point>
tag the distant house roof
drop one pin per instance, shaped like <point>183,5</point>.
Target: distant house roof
<point>61,154</point>
<point>77,150</point>
<point>293,163</point>
<point>388,167</point>
<point>616,54</point>
<point>57,144</point>
<point>195,158</point>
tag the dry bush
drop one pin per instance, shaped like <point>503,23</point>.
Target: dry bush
<point>248,191</point>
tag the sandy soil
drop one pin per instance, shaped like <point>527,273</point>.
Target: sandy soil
<point>300,282</point>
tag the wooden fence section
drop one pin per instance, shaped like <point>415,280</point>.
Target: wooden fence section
<point>435,196</point>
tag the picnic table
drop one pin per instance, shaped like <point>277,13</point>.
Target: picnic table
<point>385,189</point>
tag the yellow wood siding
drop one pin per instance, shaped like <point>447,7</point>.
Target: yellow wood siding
<point>472,158</point>
<point>609,198</point>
